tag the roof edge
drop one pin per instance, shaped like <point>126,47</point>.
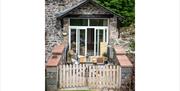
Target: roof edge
<point>60,15</point>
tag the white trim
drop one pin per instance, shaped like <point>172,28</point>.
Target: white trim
<point>94,41</point>
<point>98,42</point>
<point>77,42</point>
<point>86,18</point>
<point>78,38</point>
<point>99,27</point>
<point>88,22</point>
<point>96,28</point>
<point>85,43</point>
<point>106,36</point>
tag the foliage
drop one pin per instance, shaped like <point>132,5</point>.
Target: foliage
<point>69,56</point>
<point>125,8</point>
<point>132,44</point>
<point>105,54</point>
<point>130,29</point>
<point>127,39</point>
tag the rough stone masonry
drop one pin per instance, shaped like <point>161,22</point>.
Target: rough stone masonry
<point>52,34</point>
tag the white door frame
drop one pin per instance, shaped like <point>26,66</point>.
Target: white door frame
<point>104,28</point>
<point>95,42</point>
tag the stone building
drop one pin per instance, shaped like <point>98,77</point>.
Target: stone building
<point>85,30</point>
<point>60,13</point>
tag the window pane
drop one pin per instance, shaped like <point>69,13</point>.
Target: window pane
<point>97,42</point>
<point>90,41</point>
<point>98,22</point>
<point>100,35</point>
<point>79,22</point>
<point>73,39</point>
<point>82,42</point>
<point>105,35</point>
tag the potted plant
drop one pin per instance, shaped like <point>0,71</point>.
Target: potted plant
<point>105,57</point>
<point>69,55</point>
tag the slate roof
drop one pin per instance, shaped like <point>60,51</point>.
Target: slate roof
<point>66,12</point>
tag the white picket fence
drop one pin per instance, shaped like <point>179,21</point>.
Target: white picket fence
<point>92,76</point>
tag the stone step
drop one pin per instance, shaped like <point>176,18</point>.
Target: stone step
<point>71,89</point>
<point>84,89</point>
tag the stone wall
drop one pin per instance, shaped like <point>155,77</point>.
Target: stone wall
<point>52,67</point>
<point>126,73</point>
<point>53,34</point>
<point>125,64</point>
<point>113,32</point>
<point>52,78</point>
<point>89,9</point>
<point>66,29</point>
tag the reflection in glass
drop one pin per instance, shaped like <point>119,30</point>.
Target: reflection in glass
<point>97,42</point>
<point>82,42</point>
<point>100,39</point>
<point>105,35</point>
<point>100,35</point>
<point>90,41</point>
<point>98,22</point>
<point>73,39</point>
<point>79,22</point>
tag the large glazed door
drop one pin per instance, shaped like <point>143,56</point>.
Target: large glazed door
<point>90,41</point>
<point>73,40</point>
<point>100,37</point>
<point>82,44</point>
<point>78,42</point>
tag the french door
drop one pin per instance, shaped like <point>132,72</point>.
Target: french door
<point>100,36</point>
<point>81,42</point>
<point>86,41</point>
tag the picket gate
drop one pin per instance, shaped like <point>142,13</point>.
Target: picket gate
<point>92,76</point>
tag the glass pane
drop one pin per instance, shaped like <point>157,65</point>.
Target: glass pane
<point>97,42</point>
<point>100,39</point>
<point>105,35</point>
<point>79,22</point>
<point>73,39</point>
<point>90,41</point>
<point>100,35</point>
<point>98,22</point>
<point>82,42</point>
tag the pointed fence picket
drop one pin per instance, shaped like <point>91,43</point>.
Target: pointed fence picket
<point>92,76</point>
